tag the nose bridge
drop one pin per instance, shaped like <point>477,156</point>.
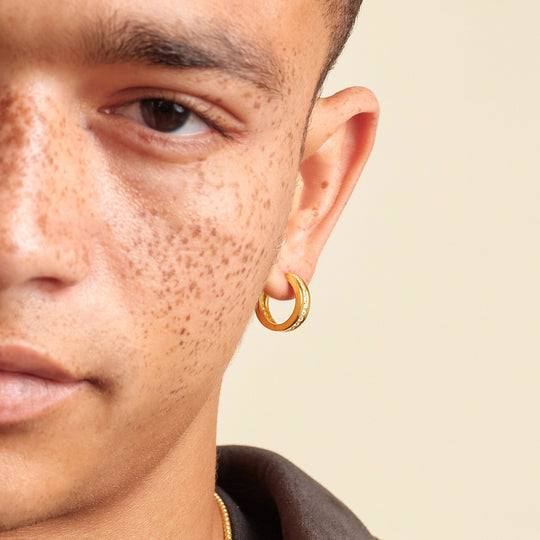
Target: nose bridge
<point>29,139</point>
<point>40,211</point>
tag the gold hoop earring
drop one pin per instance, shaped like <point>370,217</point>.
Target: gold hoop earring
<point>300,311</point>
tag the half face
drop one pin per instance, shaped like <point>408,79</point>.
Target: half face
<point>149,153</point>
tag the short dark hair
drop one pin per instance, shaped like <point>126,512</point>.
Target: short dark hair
<point>340,16</point>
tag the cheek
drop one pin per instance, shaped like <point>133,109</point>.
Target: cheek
<point>192,251</point>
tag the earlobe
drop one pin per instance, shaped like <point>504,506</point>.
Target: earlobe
<point>338,142</point>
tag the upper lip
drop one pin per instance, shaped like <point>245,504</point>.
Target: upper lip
<point>23,358</point>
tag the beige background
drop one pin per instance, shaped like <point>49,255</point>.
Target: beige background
<point>413,390</point>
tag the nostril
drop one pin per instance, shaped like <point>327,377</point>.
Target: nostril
<point>48,284</point>
<point>39,262</point>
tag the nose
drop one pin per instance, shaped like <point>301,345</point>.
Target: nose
<point>42,205</point>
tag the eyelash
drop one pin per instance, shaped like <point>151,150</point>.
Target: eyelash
<point>190,104</point>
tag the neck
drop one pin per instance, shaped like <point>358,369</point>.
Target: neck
<point>174,500</point>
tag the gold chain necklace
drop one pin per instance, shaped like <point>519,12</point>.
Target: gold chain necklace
<point>227,531</point>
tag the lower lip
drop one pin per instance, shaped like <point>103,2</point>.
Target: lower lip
<point>24,396</point>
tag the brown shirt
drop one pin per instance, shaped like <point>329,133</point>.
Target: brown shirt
<point>269,498</point>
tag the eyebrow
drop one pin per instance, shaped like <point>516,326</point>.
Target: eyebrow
<point>202,46</point>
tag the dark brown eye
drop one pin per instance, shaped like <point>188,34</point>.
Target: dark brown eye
<point>162,115</point>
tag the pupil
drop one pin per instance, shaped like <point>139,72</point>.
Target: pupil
<point>163,115</point>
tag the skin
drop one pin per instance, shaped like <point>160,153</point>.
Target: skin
<point>135,258</point>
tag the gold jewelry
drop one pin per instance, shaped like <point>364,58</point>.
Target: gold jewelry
<point>227,530</point>
<point>299,314</point>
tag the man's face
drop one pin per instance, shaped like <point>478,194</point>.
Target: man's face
<point>149,153</point>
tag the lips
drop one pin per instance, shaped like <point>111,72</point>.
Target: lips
<point>25,359</point>
<point>31,383</point>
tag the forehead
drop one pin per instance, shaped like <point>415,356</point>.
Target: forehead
<point>273,40</point>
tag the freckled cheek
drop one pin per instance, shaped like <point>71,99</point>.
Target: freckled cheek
<point>192,251</point>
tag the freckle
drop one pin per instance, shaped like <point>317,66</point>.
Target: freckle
<point>42,222</point>
<point>324,184</point>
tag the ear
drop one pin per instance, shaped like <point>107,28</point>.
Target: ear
<point>338,142</point>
